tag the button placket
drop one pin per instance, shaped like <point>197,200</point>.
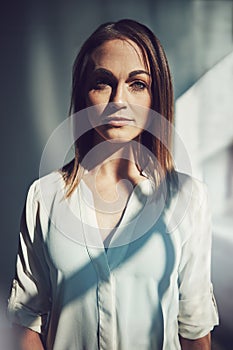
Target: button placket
<point>107,314</point>
<point>105,287</point>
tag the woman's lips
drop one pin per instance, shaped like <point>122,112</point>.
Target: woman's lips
<point>118,121</point>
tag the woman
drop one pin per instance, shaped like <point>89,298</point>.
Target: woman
<point>115,248</point>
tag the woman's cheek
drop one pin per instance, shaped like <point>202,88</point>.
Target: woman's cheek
<point>94,111</point>
<point>92,99</point>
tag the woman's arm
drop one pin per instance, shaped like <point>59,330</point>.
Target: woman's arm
<point>197,307</point>
<point>26,339</point>
<point>203,343</point>
<point>29,302</point>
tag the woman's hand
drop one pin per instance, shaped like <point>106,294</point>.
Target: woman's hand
<point>26,339</point>
<point>203,343</point>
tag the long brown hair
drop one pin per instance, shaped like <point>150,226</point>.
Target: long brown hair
<point>161,92</point>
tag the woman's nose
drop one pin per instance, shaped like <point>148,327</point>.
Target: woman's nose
<point>119,97</point>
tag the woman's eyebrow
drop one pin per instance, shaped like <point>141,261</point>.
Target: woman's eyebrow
<point>103,71</point>
<point>109,73</point>
<point>137,72</point>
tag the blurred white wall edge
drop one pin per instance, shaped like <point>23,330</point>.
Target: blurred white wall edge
<point>204,121</point>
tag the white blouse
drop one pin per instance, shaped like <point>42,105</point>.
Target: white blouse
<point>151,284</point>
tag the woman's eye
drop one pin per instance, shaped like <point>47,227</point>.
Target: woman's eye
<point>100,85</point>
<point>138,86</point>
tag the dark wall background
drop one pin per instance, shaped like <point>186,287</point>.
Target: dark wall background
<point>38,44</point>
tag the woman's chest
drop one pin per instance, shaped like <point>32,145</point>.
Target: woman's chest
<point>154,255</point>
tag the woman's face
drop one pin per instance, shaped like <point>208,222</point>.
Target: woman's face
<point>119,91</point>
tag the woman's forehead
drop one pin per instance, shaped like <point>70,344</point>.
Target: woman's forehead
<point>121,51</point>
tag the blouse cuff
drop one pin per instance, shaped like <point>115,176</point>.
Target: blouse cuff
<point>23,315</point>
<point>197,317</point>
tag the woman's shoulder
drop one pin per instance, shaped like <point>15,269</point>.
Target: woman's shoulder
<point>47,186</point>
<point>186,185</point>
<point>188,196</point>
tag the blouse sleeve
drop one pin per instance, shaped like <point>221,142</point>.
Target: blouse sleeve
<point>29,301</point>
<point>197,307</point>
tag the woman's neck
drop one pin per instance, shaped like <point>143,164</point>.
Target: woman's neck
<point>112,160</point>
